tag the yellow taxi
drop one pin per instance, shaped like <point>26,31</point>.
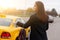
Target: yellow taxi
<point>9,29</point>
<point>28,32</point>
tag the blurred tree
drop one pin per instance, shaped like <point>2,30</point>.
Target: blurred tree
<point>53,12</point>
<point>59,15</point>
<point>13,12</point>
<point>29,11</point>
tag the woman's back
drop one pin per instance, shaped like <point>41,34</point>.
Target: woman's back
<point>38,29</point>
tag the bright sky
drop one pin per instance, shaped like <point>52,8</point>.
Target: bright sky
<point>23,4</point>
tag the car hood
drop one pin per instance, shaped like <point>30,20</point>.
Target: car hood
<point>6,28</point>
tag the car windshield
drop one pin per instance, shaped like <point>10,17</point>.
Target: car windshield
<point>5,22</point>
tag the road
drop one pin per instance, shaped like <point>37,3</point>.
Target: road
<point>53,32</point>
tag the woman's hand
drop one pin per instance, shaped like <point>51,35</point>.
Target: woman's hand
<point>19,24</point>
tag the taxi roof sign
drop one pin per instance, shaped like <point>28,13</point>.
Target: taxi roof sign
<point>2,16</point>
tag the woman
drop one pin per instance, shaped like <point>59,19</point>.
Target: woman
<point>38,22</point>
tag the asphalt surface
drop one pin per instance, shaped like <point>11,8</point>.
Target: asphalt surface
<point>53,32</point>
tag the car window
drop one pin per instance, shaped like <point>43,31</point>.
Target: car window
<point>5,22</point>
<point>20,20</point>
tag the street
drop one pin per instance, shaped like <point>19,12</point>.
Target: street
<point>53,32</point>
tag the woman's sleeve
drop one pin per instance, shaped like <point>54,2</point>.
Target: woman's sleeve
<point>47,26</point>
<point>28,23</point>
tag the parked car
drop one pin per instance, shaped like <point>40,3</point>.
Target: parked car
<point>9,29</point>
<point>51,19</point>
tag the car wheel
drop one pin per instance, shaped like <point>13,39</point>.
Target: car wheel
<point>22,35</point>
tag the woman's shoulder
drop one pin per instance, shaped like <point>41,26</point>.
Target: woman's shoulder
<point>33,16</point>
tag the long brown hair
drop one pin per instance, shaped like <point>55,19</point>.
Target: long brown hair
<point>40,11</point>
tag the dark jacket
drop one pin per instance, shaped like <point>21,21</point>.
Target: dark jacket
<point>38,28</point>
